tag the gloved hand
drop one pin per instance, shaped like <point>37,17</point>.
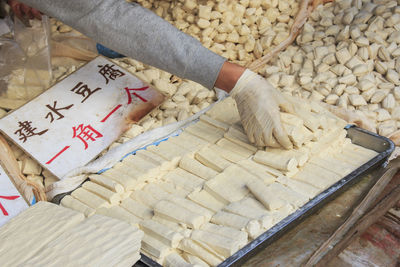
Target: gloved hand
<point>259,104</point>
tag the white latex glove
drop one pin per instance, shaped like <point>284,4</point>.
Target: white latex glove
<point>258,104</point>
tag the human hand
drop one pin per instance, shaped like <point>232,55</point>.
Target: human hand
<point>23,11</point>
<point>259,106</point>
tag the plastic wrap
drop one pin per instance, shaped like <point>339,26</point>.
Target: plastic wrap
<point>25,63</point>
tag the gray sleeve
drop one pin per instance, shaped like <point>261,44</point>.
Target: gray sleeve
<point>137,32</point>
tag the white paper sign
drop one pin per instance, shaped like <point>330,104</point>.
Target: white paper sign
<point>11,201</point>
<point>73,121</point>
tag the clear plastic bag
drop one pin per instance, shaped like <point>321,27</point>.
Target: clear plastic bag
<point>76,47</point>
<point>25,63</point>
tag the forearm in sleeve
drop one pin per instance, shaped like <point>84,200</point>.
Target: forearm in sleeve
<point>137,32</point>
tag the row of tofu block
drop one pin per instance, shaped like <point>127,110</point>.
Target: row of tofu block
<point>49,235</point>
<point>204,194</point>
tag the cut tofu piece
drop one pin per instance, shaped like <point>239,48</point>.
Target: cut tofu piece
<point>194,260</point>
<point>292,197</point>
<point>259,168</point>
<point>239,236</point>
<point>144,198</point>
<point>295,134</point>
<point>217,124</point>
<point>72,203</point>
<point>222,244</point>
<point>184,179</point>
<point>227,154</point>
<point>136,208</point>
<point>168,151</point>
<point>133,173</point>
<point>142,165</point>
<point>173,189</point>
<point>211,159</point>
<point>332,164</point>
<point>161,232</point>
<point>301,155</point>
<point>171,211</point>
<point>205,131</point>
<point>119,213</point>
<point>235,148</point>
<point>252,227</point>
<point>258,171</point>
<point>112,197</point>
<point>192,206</point>
<point>299,186</point>
<point>155,247</point>
<point>174,259</point>
<point>240,139</point>
<point>107,183</point>
<point>193,166</point>
<point>195,248</point>
<point>176,227</point>
<point>266,195</point>
<point>120,177</point>
<point>206,200</point>
<point>164,164</point>
<point>90,199</point>
<point>155,191</point>
<point>226,187</point>
<point>316,176</point>
<point>33,229</point>
<point>282,162</point>
<point>187,143</point>
<point>247,211</point>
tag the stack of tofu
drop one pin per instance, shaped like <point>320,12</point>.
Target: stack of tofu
<point>49,235</point>
<point>201,196</point>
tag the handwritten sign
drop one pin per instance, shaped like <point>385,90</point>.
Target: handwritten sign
<point>73,121</point>
<point>11,201</point>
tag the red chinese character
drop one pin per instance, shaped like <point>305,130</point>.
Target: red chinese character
<point>86,133</point>
<point>5,213</point>
<point>128,91</point>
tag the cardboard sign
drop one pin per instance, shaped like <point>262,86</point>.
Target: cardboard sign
<point>72,122</point>
<point>11,201</point>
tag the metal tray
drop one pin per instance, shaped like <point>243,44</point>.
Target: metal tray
<point>358,136</point>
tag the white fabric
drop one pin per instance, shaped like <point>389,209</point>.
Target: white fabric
<point>258,104</point>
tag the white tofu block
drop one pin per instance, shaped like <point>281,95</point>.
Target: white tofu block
<point>292,197</point>
<point>266,195</point>
<point>136,208</point>
<point>164,164</point>
<point>161,232</point>
<point>184,179</point>
<point>174,259</point>
<point>282,162</point>
<point>195,248</point>
<point>112,197</point>
<point>206,200</point>
<point>144,198</point>
<point>195,167</point>
<point>194,260</point>
<point>227,154</point>
<point>235,148</point>
<point>240,139</point>
<point>155,191</point>
<point>155,247</point>
<point>192,206</point>
<point>205,131</point>
<point>211,159</point>
<point>72,203</point>
<point>223,245</point>
<point>120,177</point>
<point>218,124</point>
<point>119,213</point>
<point>90,199</point>
<point>107,183</point>
<point>176,213</point>
<point>252,227</point>
<point>299,186</point>
<point>239,236</point>
<point>173,189</point>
